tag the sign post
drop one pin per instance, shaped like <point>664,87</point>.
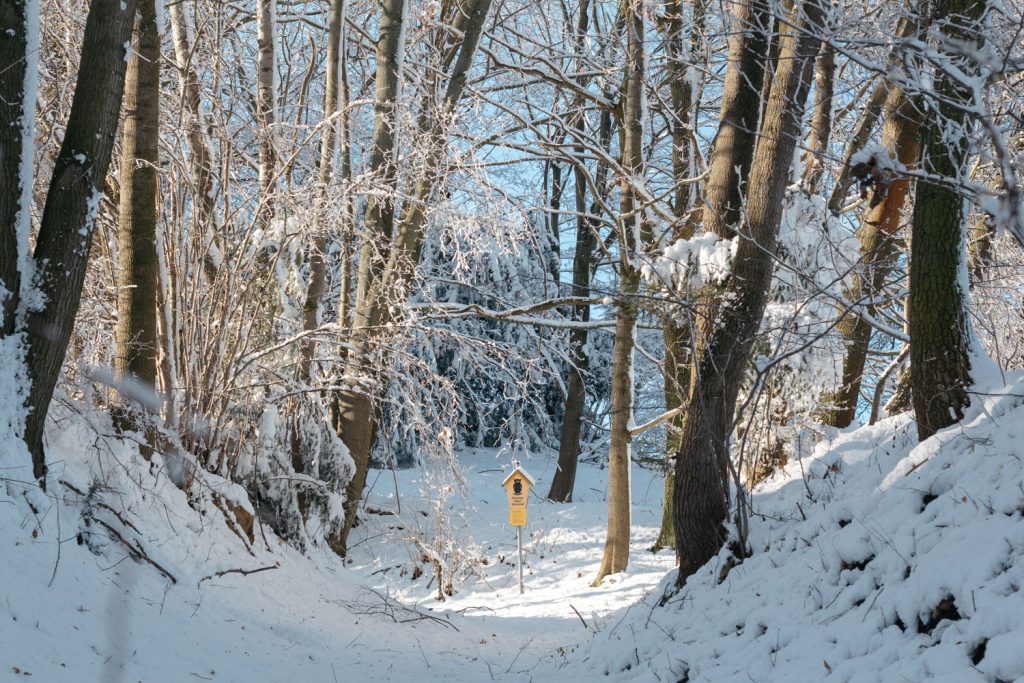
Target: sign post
<point>517,488</point>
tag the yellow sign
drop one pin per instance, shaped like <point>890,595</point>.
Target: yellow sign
<point>517,488</point>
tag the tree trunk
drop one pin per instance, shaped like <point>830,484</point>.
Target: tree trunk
<point>821,121</point>
<point>940,365</point>
<point>737,128</point>
<point>200,153</point>
<point>678,339</point>
<point>879,248</point>
<point>381,301</point>
<point>380,205</point>
<point>729,167</point>
<point>735,142</point>
<point>632,238</point>
<point>136,349</point>
<point>17,124</point>
<point>265,107</point>
<point>702,465</point>
<point>564,481</point>
<point>69,215</point>
<point>677,386</point>
<point>575,401</point>
<point>317,265</point>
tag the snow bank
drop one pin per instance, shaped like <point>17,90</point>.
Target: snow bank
<point>877,559</point>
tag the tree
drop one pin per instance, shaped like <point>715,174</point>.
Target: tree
<point>633,234</point>
<point>69,215</point>
<point>676,323</point>
<point>702,466</point>
<point>135,357</point>
<point>880,246</point>
<point>379,297</point>
<point>17,105</point>
<point>564,480</point>
<point>940,338</point>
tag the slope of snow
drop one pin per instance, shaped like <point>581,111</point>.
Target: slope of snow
<point>877,559</point>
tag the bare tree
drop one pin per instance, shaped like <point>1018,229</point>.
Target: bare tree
<point>940,363</point>
<point>702,467</point>
<point>634,234</point>
<point>69,215</point>
<point>135,356</point>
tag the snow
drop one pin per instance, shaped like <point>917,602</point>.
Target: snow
<point>702,259</point>
<point>106,617</point>
<point>861,553</point>
<point>876,559</point>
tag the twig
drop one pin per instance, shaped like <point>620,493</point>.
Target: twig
<point>135,551</point>
<point>243,572</point>
<point>580,616</point>
<point>99,503</point>
<point>514,660</point>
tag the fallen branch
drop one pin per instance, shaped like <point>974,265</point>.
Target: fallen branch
<point>580,616</point>
<point>243,572</point>
<point>99,503</point>
<point>135,551</point>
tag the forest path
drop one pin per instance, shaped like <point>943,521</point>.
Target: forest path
<point>504,634</point>
<point>71,614</point>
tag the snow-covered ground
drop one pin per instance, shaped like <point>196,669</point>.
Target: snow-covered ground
<point>67,614</point>
<point>874,559</point>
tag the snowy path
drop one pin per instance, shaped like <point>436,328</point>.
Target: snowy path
<point>109,619</point>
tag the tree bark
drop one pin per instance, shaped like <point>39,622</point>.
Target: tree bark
<point>16,127</point>
<point>677,385</point>
<point>821,121</point>
<point>380,205</point>
<point>136,347</point>
<point>940,364</point>
<point>729,168</point>
<point>69,215</point>
<point>737,128</point>
<point>677,336</point>
<point>702,466</point>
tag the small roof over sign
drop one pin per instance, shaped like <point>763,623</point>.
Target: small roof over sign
<point>516,467</point>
